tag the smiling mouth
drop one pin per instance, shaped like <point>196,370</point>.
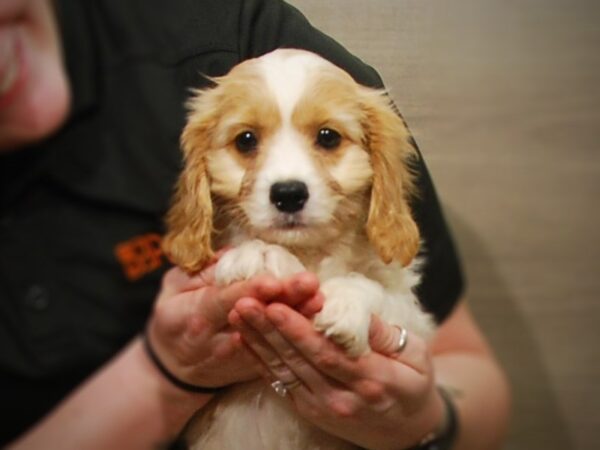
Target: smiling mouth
<point>11,67</point>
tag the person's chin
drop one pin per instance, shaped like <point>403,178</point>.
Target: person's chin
<point>41,109</point>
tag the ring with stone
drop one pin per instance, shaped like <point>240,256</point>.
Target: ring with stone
<point>282,388</point>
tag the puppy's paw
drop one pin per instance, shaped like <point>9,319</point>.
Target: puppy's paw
<point>254,258</point>
<point>346,314</point>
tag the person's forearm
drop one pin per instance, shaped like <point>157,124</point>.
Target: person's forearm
<point>481,395</point>
<point>126,405</point>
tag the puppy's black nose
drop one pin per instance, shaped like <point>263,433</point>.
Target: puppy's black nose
<point>289,196</point>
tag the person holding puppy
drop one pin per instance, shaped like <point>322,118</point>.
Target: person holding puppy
<point>91,108</point>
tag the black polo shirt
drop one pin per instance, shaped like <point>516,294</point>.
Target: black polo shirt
<point>81,214</point>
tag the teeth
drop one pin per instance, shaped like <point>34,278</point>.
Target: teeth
<point>10,76</point>
<point>8,59</point>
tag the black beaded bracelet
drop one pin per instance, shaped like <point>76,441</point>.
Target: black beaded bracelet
<point>445,440</point>
<point>172,378</point>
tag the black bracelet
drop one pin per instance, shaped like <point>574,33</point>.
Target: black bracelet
<point>444,440</point>
<point>172,378</point>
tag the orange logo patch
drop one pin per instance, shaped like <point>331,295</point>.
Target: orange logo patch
<point>140,255</point>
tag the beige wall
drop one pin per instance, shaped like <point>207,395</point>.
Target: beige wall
<point>504,99</point>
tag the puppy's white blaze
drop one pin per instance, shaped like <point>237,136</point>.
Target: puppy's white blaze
<point>286,72</point>
<point>353,171</point>
<point>226,173</point>
<point>287,158</point>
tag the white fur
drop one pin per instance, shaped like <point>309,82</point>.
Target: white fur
<point>253,258</point>
<point>287,159</point>
<point>286,73</point>
<point>354,281</point>
<point>345,317</point>
<point>353,169</point>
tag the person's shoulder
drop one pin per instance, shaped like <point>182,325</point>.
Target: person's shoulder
<point>266,25</point>
<point>171,32</point>
<point>168,31</point>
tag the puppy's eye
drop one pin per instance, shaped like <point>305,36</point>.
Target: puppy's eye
<point>328,139</point>
<point>246,141</point>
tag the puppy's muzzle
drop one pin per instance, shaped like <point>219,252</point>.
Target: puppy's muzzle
<point>289,196</point>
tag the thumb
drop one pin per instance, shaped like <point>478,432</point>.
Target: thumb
<point>383,338</point>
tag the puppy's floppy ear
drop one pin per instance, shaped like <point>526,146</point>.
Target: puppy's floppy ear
<point>390,225</point>
<point>190,218</point>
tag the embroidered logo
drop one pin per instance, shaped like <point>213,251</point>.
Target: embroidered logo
<point>140,255</point>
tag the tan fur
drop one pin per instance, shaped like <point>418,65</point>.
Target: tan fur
<point>190,219</point>
<point>390,226</point>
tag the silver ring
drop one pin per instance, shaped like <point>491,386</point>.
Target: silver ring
<point>282,388</point>
<point>402,340</point>
<point>279,388</point>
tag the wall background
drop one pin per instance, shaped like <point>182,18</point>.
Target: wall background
<point>503,97</point>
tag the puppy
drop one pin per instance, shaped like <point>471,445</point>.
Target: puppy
<point>298,167</point>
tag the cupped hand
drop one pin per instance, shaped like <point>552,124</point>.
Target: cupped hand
<point>189,330</point>
<point>380,400</point>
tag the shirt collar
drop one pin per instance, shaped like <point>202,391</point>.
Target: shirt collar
<point>79,53</point>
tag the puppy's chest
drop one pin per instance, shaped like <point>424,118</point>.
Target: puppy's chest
<point>345,260</point>
<point>330,267</point>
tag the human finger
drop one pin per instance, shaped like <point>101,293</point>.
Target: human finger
<point>311,346</point>
<point>195,302</point>
<point>207,304</point>
<point>345,381</point>
<point>311,306</point>
<point>279,357</point>
<point>173,282</point>
<point>370,376</point>
<point>300,287</point>
<point>204,277</point>
<point>177,280</point>
<point>335,363</point>
<point>273,367</point>
<point>302,293</point>
<point>264,288</point>
<point>399,343</point>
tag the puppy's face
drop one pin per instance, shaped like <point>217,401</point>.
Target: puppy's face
<point>289,149</point>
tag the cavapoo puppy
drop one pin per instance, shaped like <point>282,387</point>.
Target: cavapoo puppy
<point>297,167</point>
